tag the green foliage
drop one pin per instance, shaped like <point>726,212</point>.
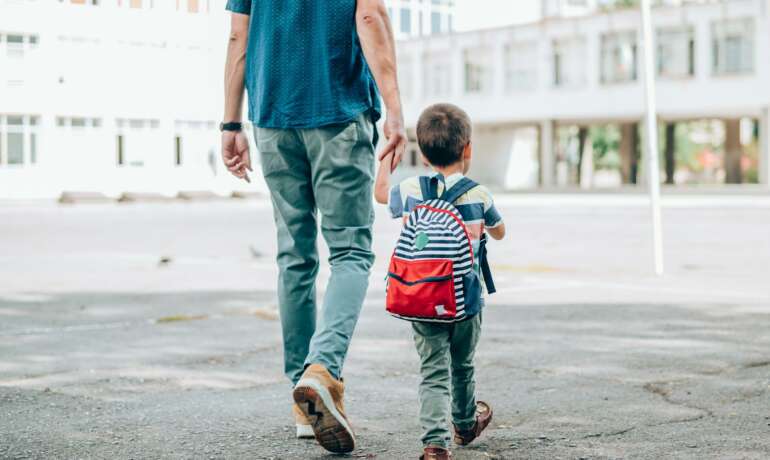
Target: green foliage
<point>606,144</point>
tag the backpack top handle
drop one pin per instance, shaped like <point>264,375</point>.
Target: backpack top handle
<point>429,188</point>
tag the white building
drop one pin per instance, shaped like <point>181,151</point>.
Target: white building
<point>417,18</point>
<point>521,83</point>
<point>111,96</point>
<point>124,96</point>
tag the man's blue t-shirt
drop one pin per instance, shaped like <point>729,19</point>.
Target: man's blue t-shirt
<point>304,64</point>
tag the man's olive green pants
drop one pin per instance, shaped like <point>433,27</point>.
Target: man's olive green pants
<point>327,171</point>
<point>446,364</point>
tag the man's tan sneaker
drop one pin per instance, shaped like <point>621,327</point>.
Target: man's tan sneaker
<point>304,430</point>
<point>319,397</point>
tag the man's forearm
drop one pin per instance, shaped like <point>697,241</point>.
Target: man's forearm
<point>376,36</point>
<point>235,66</point>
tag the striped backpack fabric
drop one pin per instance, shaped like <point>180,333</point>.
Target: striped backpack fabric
<point>431,277</point>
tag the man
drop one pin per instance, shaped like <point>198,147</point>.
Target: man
<point>312,70</point>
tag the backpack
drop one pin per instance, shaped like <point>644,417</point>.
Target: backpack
<point>431,277</point>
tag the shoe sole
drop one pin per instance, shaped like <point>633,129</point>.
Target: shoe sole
<point>305,432</point>
<point>330,428</point>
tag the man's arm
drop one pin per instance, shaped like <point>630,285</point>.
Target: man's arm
<point>235,144</point>
<point>376,36</point>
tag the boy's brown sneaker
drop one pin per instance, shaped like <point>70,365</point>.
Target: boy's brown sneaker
<point>304,430</point>
<point>319,397</point>
<point>483,417</point>
<point>435,453</point>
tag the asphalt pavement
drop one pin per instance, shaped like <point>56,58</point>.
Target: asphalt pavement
<point>151,331</point>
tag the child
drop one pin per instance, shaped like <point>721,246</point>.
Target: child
<point>444,136</point>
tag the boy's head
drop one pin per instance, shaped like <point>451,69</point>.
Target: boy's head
<point>444,135</point>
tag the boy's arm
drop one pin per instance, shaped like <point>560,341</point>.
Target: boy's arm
<point>382,183</point>
<point>497,232</point>
<point>493,221</point>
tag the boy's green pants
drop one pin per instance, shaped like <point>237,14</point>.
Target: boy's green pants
<point>327,171</point>
<point>445,347</point>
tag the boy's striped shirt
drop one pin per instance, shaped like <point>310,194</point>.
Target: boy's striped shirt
<point>476,207</point>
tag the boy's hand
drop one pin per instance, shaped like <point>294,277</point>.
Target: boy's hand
<point>396,135</point>
<point>235,154</point>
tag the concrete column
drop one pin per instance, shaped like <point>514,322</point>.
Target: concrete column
<point>458,68</point>
<point>733,151</point>
<point>492,147</point>
<point>629,152</point>
<point>498,68</point>
<point>547,153</point>
<point>418,79</point>
<point>670,153</point>
<point>764,147</point>
<point>582,140</point>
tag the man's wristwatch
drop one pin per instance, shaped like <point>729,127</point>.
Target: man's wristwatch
<point>231,126</point>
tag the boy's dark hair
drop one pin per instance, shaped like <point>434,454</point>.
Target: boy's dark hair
<point>443,131</point>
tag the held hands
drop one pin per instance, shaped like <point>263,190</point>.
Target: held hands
<point>235,154</point>
<point>396,136</point>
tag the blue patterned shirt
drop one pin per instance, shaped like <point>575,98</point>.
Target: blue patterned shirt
<point>304,63</point>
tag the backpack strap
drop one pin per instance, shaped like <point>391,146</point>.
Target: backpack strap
<point>462,187</point>
<point>429,187</point>
<point>486,271</point>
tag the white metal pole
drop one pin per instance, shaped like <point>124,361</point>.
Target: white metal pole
<point>648,46</point>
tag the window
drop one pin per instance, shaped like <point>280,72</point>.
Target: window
<point>733,47</point>
<point>478,70</point>
<point>619,57</point>
<point>18,140</point>
<point>178,150</point>
<point>435,22</point>
<point>14,45</point>
<point>78,123</point>
<point>437,74</point>
<point>120,152</point>
<point>15,148</point>
<point>406,21</point>
<point>569,57</point>
<point>676,52</point>
<point>17,44</point>
<point>521,61</point>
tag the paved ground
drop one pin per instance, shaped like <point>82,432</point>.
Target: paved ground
<point>149,331</point>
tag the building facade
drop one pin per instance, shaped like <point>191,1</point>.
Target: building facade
<point>124,96</point>
<point>418,18</point>
<point>522,84</point>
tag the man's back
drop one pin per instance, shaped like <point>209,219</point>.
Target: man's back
<point>304,65</point>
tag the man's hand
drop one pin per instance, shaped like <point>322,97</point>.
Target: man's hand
<point>396,137</point>
<point>235,154</point>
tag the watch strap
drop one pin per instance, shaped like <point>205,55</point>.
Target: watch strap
<point>231,126</point>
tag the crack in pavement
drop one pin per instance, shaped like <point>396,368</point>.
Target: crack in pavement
<point>612,433</point>
<point>658,388</point>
